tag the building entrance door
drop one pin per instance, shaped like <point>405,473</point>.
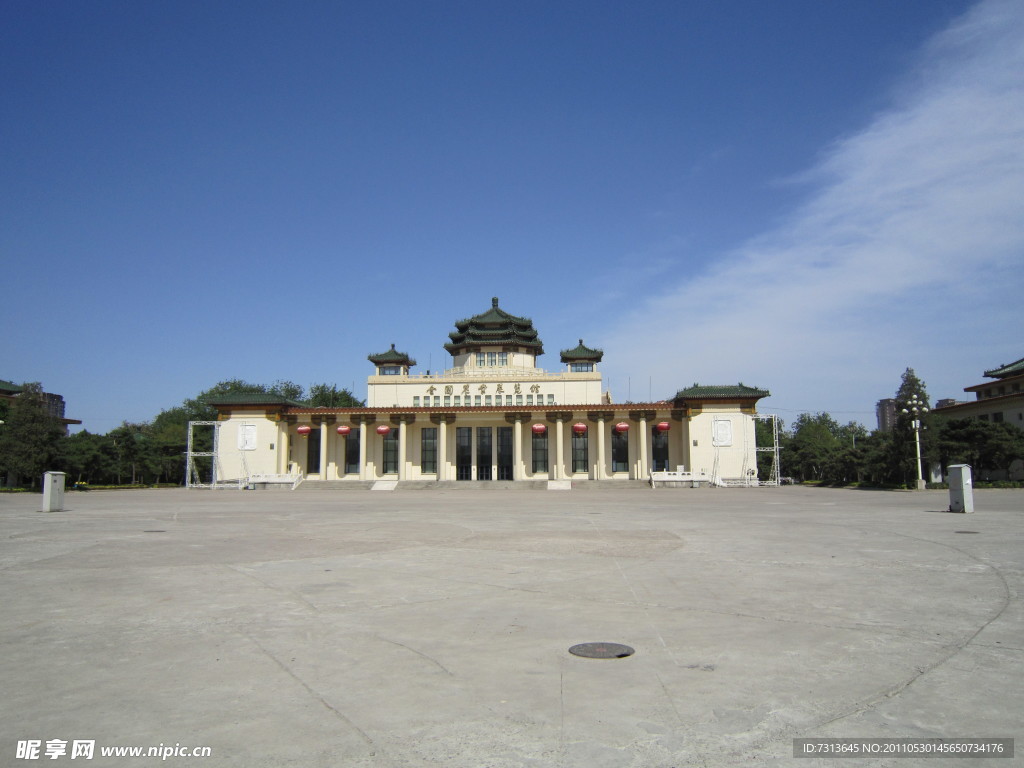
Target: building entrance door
<point>504,453</point>
<point>483,453</point>
<point>463,453</point>
<point>659,450</point>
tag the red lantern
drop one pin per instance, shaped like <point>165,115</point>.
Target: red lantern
<point>539,429</point>
<point>622,426</point>
<point>383,429</point>
<point>579,428</point>
<point>344,430</point>
<point>662,426</point>
<point>304,430</point>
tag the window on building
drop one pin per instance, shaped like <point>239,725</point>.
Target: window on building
<point>447,400</point>
<point>519,399</point>
<point>579,453</point>
<point>428,450</point>
<point>487,400</point>
<point>390,370</point>
<point>983,416</point>
<point>581,367</point>
<point>508,399</point>
<point>476,399</point>
<point>540,452</point>
<point>620,451</point>
<point>997,417</point>
<point>437,401</point>
<point>415,401</point>
<point>492,359</point>
<point>458,400</point>
<point>480,360</point>
<point>503,358</point>
<point>551,399</point>
<point>391,452</point>
<point>529,399</point>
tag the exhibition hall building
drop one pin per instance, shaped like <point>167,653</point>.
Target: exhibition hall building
<point>494,415</point>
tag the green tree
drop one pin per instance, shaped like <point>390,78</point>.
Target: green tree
<point>30,438</point>
<point>133,452</point>
<point>904,441</point>
<point>987,446</point>
<point>876,452</point>
<point>83,457</point>
<point>329,396</point>
<point>811,447</point>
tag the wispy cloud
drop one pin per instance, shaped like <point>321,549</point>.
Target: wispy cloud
<point>915,228</point>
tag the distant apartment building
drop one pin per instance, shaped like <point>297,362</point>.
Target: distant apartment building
<point>885,412</point>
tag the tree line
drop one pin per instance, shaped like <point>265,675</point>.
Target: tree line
<point>817,448</point>
<point>143,453</point>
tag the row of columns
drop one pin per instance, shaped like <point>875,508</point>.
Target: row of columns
<point>639,466</point>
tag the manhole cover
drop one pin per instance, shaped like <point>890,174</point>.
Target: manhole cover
<point>602,650</point>
<point>965,531</point>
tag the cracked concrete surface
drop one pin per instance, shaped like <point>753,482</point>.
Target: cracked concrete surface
<point>432,627</point>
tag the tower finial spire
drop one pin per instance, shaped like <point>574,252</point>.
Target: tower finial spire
<point>494,301</point>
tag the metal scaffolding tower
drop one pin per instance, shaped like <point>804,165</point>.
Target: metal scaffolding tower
<point>193,473</point>
<point>773,477</point>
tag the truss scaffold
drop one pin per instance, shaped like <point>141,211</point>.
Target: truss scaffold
<point>773,449</point>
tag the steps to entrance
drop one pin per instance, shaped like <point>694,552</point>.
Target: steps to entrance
<point>469,485</point>
<point>336,485</point>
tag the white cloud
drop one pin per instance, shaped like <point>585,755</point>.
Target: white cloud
<point>912,220</point>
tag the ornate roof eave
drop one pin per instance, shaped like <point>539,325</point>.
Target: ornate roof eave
<point>1003,371</point>
<point>252,398</point>
<point>496,328</point>
<point>721,392</point>
<point>582,353</point>
<point>391,357</point>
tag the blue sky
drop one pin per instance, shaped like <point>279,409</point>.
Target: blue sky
<point>805,196</point>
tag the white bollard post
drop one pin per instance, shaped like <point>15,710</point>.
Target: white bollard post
<point>53,491</point>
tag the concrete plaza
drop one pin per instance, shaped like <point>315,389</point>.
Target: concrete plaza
<point>432,627</point>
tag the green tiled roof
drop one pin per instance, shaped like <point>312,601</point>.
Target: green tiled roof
<point>392,357</point>
<point>582,353</point>
<point>718,391</point>
<point>1007,370</point>
<point>251,398</point>
<point>9,388</point>
<point>495,327</point>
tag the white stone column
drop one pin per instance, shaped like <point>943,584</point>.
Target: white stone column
<point>559,468</point>
<point>643,467</point>
<point>363,470</point>
<point>282,447</point>
<point>517,450</point>
<point>600,473</point>
<point>322,469</point>
<point>442,450</point>
<point>402,448</point>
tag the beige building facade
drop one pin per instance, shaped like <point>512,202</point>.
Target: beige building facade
<point>495,414</point>
<point>1000,400</point>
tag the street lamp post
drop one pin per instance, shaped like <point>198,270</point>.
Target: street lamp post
<point>917,408</point>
